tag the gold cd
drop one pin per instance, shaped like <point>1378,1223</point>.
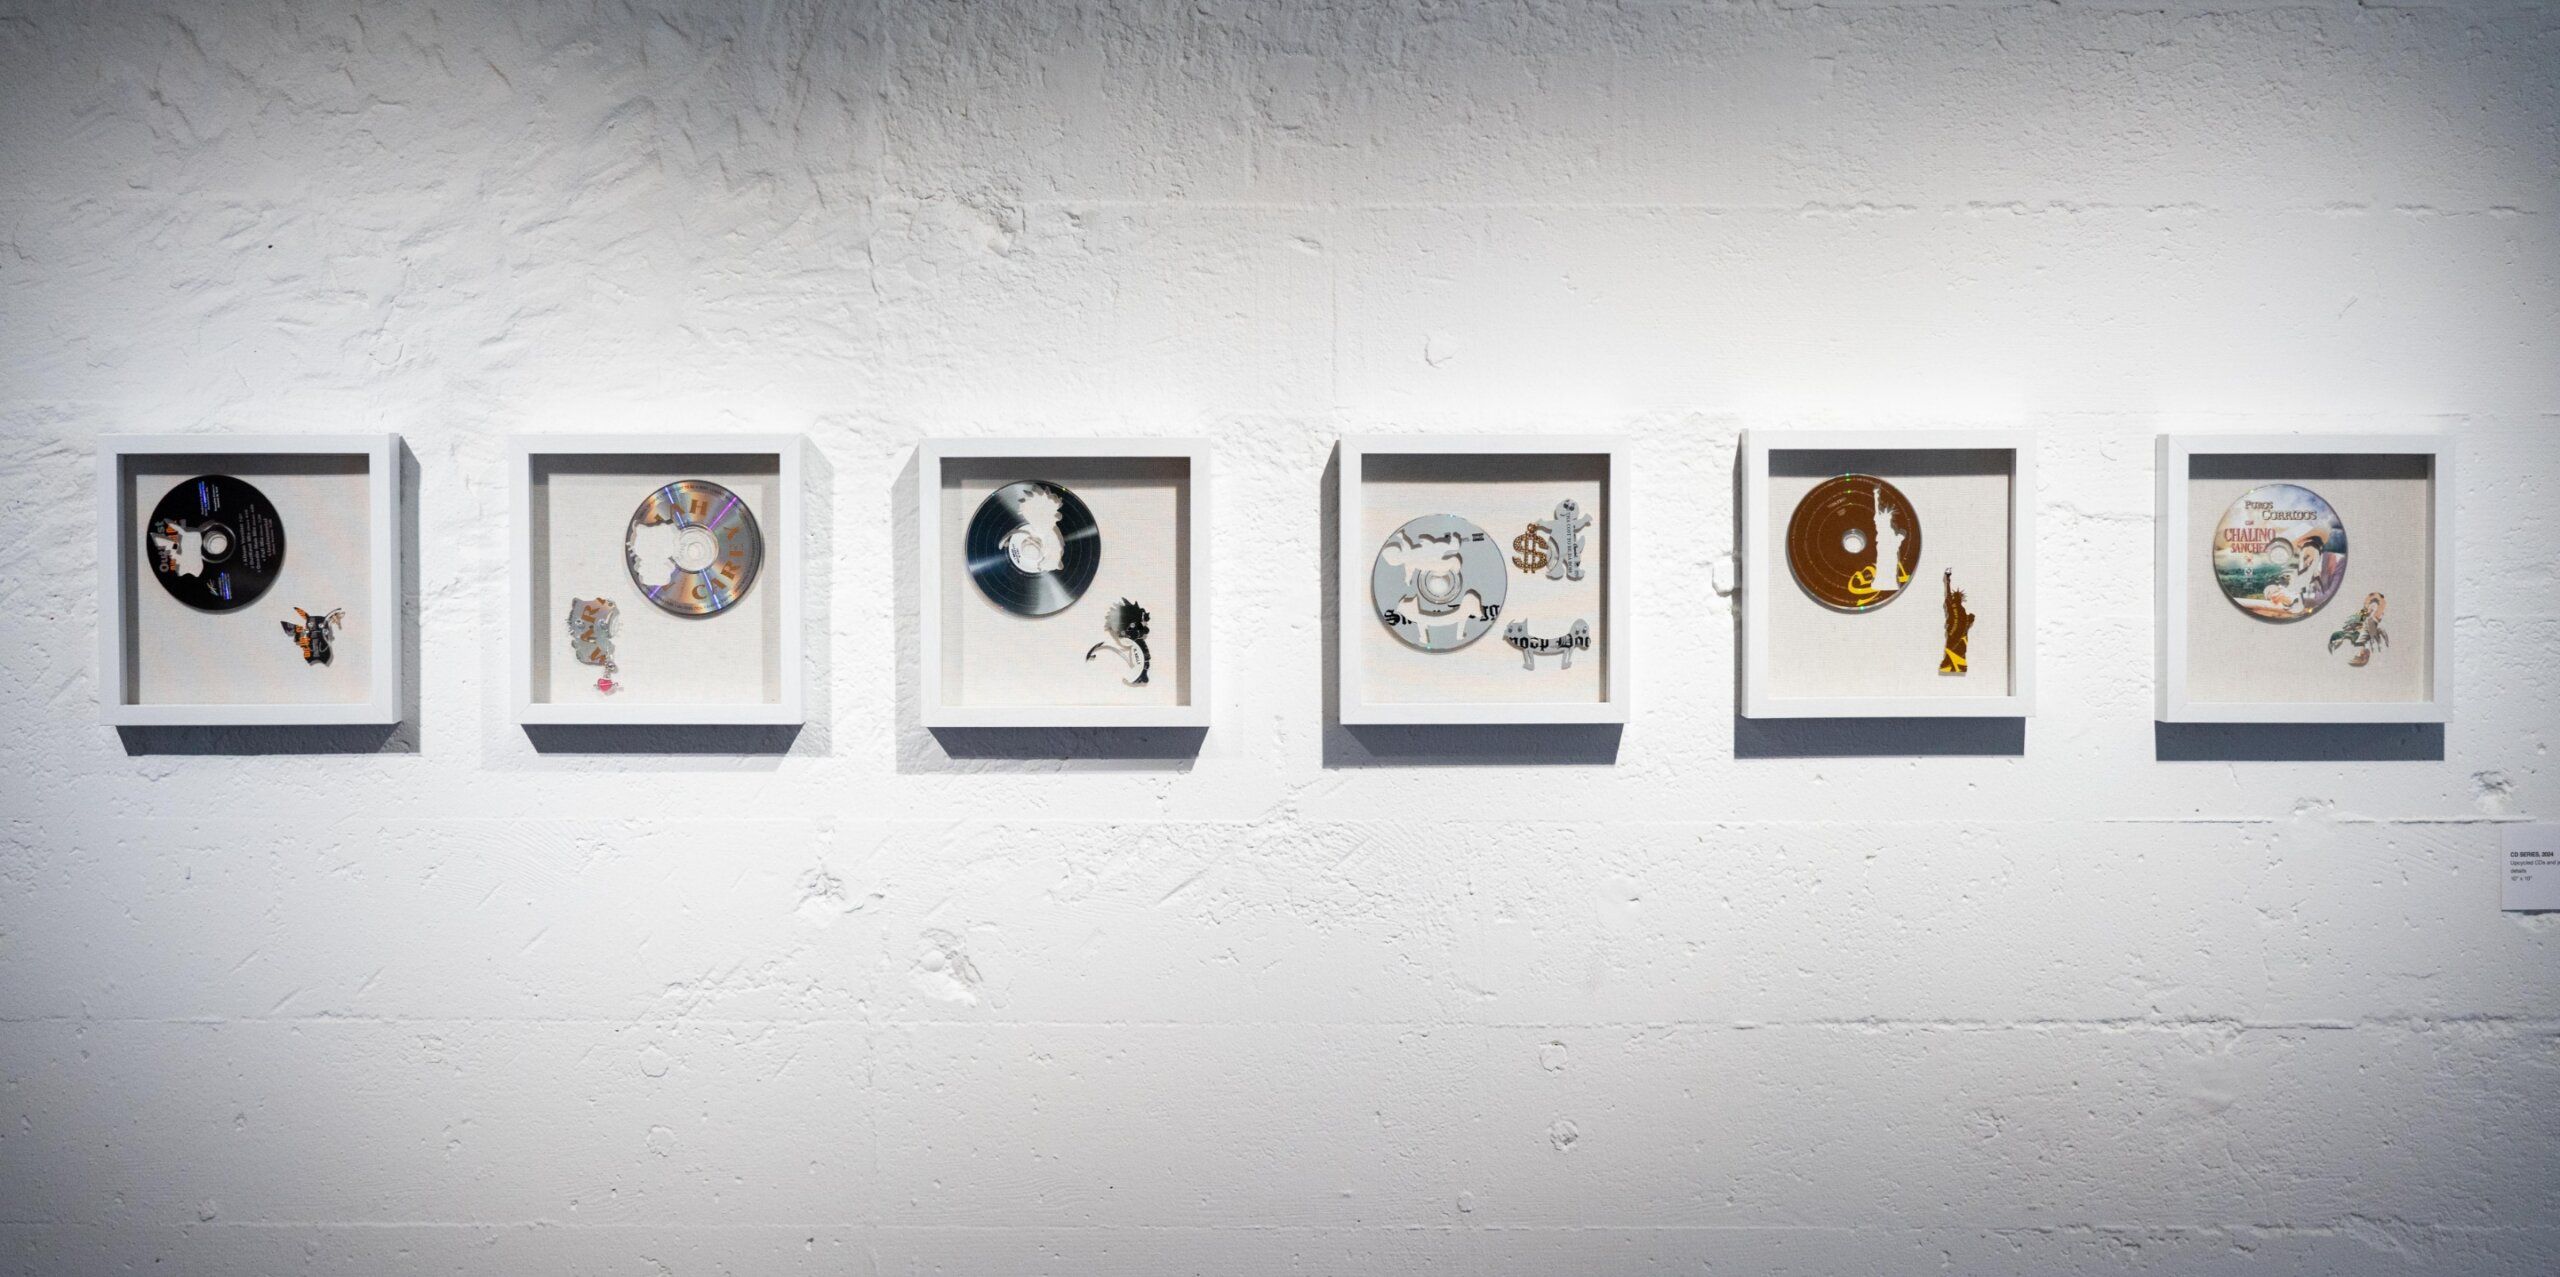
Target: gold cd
<point>1854,542</point>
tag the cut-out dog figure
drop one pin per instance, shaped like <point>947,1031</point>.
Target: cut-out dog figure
<point>314,633</point>
<point>1576,638</point>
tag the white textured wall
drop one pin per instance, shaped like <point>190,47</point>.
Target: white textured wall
<point>444,1002</point>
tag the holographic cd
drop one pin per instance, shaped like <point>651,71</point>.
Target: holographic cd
<point>693,548</point>
<point>214,543</point>
<point>1032,547</point>
<point>1854,542</point>
<point>2280,551</point>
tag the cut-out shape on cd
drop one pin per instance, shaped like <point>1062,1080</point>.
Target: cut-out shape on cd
<point>214,543</point>
<point>1854,542</point>
<point>693,548</point>
<point>1438,582</point>
<point>1032,547</point>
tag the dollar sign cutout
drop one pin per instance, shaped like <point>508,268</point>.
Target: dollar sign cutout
<point>1530,552</point>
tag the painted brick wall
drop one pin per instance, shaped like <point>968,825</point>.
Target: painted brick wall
<point>1749,999</point>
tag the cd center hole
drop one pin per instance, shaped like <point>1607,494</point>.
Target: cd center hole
<point>1854,541</point>
<point>695,549</point>
<point>216,541</point>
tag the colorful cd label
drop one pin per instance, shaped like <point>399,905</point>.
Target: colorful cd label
<point>2280,551</point>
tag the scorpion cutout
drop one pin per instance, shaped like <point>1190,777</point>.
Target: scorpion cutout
<point>2363,631</point>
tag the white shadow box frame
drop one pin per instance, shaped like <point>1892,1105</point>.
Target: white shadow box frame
<point>983,667</point>
<point>2219,664</point>
<point>572,496</point>
<point>163,664</point>
<point>1792,669</point>
<point>1510,480</point>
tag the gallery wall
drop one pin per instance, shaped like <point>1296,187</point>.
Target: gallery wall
<point>2079,994</point>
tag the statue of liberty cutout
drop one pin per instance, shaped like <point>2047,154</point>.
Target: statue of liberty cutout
<point>1888,548</point>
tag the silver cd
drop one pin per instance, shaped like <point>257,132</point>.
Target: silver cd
<point>1439,582</point>
<point>1032,548</point>
<point>693,548</point>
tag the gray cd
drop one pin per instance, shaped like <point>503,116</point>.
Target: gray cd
<point>1032,548</point>
<point>1439,582</point>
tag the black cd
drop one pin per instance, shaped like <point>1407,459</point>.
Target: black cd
<point>214,542</point>
<point>1033,548</point>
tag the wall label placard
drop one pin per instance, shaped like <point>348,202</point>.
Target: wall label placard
<point>2533,868</point>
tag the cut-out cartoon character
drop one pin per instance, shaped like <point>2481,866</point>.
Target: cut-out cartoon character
<point>2363,631</point>
<point>591,637</point>
<point>1126,623</point>
<point>2310,574</point>
<point>1564,534</point>
<point>314,633</point>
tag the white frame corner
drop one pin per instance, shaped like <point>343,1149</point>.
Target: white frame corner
<point>784,570</point>
<point>1761,573</point>
<point>2174,456</point>
<point>1351,570</point>
<point>935,561</point>
<point>381,706</point>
